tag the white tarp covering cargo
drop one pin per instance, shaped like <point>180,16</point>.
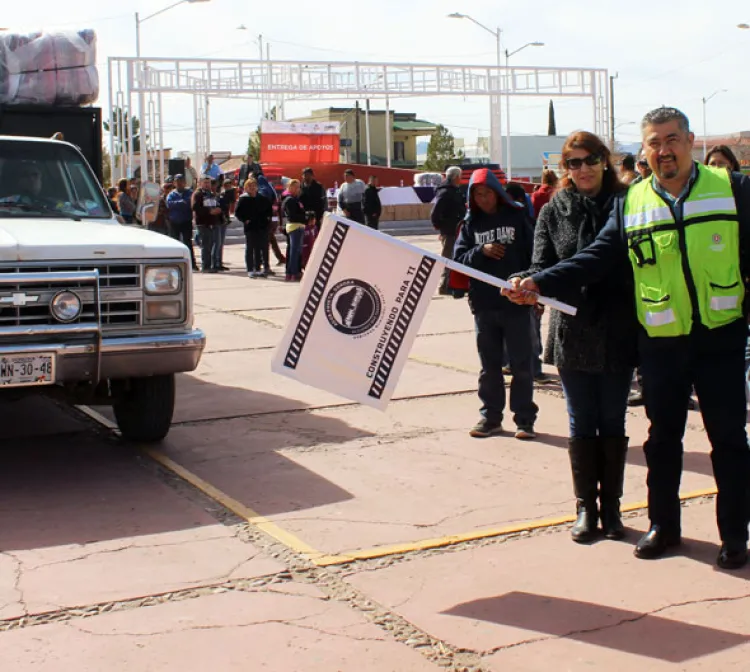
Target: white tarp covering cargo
<point>48,68</point>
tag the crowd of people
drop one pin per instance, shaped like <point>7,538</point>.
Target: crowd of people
<point>198,209</point>
<point>655,256</point>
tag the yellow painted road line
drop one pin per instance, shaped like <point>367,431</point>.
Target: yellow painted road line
<point>329,560</point>
<point>476,535</point>
<point>238,508</point>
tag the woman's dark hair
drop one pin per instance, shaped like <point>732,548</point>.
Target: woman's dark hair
<point>549,177</point>
<point>122,185</point>
<point>593,145</point>
<point>727,153</point>
<point>516,192</point>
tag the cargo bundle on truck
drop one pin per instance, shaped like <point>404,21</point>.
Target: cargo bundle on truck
<point>48,80</point>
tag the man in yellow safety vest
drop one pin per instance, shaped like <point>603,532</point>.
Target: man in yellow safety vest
<point>683,235</point>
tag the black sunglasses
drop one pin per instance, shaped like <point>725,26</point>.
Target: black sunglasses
<point>590,160</point>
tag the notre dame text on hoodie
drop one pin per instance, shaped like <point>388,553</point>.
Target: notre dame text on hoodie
<point>510,226</point>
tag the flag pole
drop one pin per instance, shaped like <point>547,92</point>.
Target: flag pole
<point>454,265</point>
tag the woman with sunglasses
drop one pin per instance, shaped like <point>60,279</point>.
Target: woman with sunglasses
<point>595,350</point>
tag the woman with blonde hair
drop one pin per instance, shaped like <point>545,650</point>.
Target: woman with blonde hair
<point>296,219</point>
<point>595,350</point>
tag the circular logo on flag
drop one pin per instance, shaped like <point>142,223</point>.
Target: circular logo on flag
<point>353,307</point>
<point>716,238</point>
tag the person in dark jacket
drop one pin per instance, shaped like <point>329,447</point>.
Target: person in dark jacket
<point>254,211</point>
<point>266,189</point>
<point>595,351</point>
<point>447,213</point>
<point>669,229</point>
<point>181,215</point>
<point>497,239</point>
<point>371,203</point>
<point>249,168</point>
<point>209,219</point>
<point>313,196</point>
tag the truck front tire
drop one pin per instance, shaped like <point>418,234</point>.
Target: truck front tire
<point>144,407</point>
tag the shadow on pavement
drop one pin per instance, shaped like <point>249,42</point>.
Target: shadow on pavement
<point>62,483</point>
<point>251,454</point>
<point>631,632</point>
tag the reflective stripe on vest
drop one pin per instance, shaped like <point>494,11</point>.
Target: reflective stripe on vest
<point>666,288</point>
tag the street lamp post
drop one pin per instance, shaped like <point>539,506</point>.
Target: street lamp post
<point>262,76</point>
<point>496,125</point>
<point>508,153</point>
<point>705,132</point>
<point>139,68</point>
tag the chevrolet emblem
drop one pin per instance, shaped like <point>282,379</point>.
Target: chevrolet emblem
<point>19,299</point>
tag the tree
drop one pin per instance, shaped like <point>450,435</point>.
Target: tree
<point>551,125</point>
<point>253,144</point>
<point>106,166</point>
<point>441,151</point>
<point>121,143</point>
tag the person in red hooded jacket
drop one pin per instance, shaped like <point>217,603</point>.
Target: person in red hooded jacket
<point>543,195</point>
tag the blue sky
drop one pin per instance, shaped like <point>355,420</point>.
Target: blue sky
<point>674,52</point>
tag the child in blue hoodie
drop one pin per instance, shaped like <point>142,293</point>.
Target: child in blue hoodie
<point>498,239</point>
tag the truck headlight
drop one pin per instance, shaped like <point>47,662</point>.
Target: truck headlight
<point>162,280</point>
<point>65,306</point>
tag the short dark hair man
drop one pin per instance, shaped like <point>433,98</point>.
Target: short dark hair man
<point>350,197</point>
<point>313,196</point>
<point>209,219</point>
<point>371,205</point>
<point>181,215</point>
<point>249,168</point>
<point>447,213</point>
<point>683,236</point>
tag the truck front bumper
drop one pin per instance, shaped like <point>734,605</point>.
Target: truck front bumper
<point>119,357</point>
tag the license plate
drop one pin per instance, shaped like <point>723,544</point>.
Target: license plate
<point>21,370</point>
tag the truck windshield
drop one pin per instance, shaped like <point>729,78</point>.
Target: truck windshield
<point>48,179</point>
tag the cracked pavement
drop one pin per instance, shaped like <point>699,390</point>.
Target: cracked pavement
<point>110,561</point>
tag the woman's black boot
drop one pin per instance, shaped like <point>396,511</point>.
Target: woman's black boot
<point>583,456</point>
<point>615,454</point>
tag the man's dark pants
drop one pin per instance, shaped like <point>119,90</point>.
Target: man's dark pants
<point>356,213</point>
<point>208,239</point>
<point>373,221</point>
<point>713,362</point>
<point>449,242</point>
<point>184,233</point>
<point>493,327</point>
<point>256,248</point>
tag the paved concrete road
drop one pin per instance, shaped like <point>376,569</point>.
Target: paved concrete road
<point>282,528</point>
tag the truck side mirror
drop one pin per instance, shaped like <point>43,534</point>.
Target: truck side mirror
<point>148,201</point>
<point>149,213</point>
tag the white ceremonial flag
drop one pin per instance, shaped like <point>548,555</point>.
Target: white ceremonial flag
<point>362,301</point>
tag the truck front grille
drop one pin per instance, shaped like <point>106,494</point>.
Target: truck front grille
<point>119,286</point>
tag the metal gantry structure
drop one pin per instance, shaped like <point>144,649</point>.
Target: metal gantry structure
<point>146,80</point>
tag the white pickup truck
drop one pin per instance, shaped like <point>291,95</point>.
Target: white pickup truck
<point>92,310</point>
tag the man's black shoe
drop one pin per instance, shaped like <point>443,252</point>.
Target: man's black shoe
<point>655,543</point>
<point>732,556</point>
